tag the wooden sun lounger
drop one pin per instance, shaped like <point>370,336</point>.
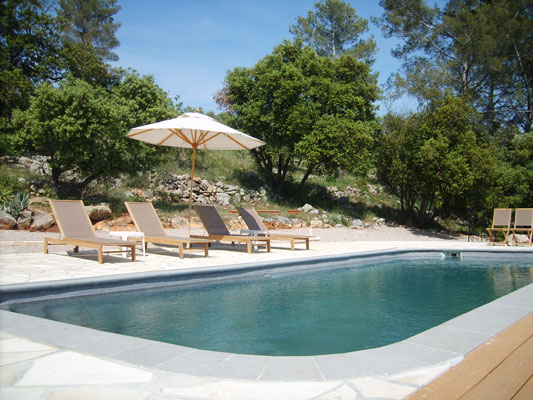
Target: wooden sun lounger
<point>217,230</point>
<point>255,223</point>
<point>76,229</point>
<point>523,223</point>
<point>146,220</point>
<point>501,222</point>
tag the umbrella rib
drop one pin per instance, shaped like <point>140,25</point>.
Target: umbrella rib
<point>138,133</point>
<point>182,136</point>
<point>164,140</point>
<point>204,140</point>
<point>236,141</point>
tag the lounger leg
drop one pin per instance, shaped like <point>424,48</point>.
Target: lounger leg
<point>206,249</point>
<point>76,249</point>
<point>132,253</point>
<point>268,246</point>
<point>249,247</point>
<point>307,243</point>
<point>180,247</point>
<point>100,256</point>
<point>45,246</point>
<point>292,244</point>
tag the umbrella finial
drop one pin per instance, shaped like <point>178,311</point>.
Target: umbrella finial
<point>197,110</point>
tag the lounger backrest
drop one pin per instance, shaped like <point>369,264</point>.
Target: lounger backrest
<point>213,223</point>
<point>252,219</point>
<point>145,218</point>
<point>523,217</point>
<point>72,219</point>
<point>502,217</point>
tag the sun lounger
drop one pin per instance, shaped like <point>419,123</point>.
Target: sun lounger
<point>146,220</point>
<point>257,227</point>
<point>501,222</point>
<point>76,229</point>
<point>217,230</point>
<point>523,223</point>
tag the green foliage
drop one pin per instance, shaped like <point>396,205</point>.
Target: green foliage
<point>430,160</point>
<point>312,111</point>
<point>481,49</point>
<point>5,195</point>
<point>334,28</point>
<point>15,205</point>
<point>88,37</point>
<point>28,55</point>
<point>82,128</point>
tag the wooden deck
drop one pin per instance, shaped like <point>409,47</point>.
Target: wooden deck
<point>501,368</point>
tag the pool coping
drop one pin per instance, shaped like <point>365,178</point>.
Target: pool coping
<point>447,343</point>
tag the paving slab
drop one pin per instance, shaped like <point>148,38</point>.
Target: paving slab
<point>69,368</point>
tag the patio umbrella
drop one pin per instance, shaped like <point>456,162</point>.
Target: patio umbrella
<point>196,131</point>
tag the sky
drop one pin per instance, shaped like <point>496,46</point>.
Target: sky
<point>189,46</point>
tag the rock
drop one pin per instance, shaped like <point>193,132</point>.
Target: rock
<point>316,223</point>
<point>179,222</point>
<point>98,213</point>
<point>24,220</point>
<point>357,224</point>
<point>223,199</point>
<point>307,208</point>
<point>41,221</point>
<point>237,198</point>
<point>7,221</point>
<point>25,161</point>
<point>522,238</point>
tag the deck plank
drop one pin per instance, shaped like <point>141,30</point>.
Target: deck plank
<point>508,378</point>
<point>526,392</point>
<point>460,379</point>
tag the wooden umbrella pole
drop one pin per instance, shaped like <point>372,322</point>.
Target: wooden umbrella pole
<point>192,182</point>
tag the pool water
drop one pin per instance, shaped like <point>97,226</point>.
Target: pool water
<point>311,313</point>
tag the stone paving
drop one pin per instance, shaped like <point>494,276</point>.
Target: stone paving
<point>36,370</point>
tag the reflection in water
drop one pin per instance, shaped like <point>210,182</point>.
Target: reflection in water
<point>300,314</point>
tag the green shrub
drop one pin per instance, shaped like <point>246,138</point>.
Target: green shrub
<point>17,204</point>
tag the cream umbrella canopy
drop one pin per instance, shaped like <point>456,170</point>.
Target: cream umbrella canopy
<point>195,131</point>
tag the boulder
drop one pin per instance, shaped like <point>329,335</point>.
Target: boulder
<point>357,224</point>
<point>223,199</point>
<point>316,223</point>
<point>179,222</point>
<point>307,208</point>
<point>24,220</point>
<point>98,213</point>
<point>41,221</point>
<point>7,221</point>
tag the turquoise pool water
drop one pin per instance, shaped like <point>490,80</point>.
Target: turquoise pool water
<point>310,313</point>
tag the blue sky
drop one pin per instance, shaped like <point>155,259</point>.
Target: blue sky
<point>188,46</point>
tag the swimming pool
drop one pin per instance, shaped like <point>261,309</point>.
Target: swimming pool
<point>359,308</point>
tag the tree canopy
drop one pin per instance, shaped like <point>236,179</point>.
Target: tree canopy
<point>334,28</point>
<point>430,159</point>
<point>479,48</point>
<point>311,110</point>
<point>83,128</point>
<point>88,37</point>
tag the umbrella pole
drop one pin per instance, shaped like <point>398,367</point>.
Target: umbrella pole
<point>192,181</point>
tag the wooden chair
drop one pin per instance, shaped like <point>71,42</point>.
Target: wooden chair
<point>217,229</point>
<point>501,222</point>
<point>76,229</point>
<point>258,228</point>
<point>523,223</point>
<point>146,220</point>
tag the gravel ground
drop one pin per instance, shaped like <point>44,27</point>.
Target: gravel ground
<point>16,241</point>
